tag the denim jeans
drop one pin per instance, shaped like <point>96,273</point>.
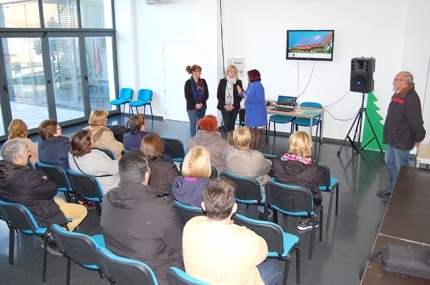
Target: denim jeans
<point>395,158</point>
<point>192,115</point>
<point>269,272</point>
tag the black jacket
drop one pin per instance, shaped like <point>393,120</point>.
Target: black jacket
<point>189,96</point>
<point>404,122</point>
<point>22,185</point>
<point>55,151</point>
<point>299,174</point>
<point>221,94</point>
<point>138,225</point>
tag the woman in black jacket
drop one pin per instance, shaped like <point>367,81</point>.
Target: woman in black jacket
<point>196,94</point>
<point>228,100</point>
<point>296,167</point>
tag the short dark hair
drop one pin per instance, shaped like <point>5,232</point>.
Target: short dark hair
<point>152,146</point>
<point>47,129</point>
<point>136,122</point>
<point>219,197</point>
<point>81,143</point>
<point>133,166</point>
<point>254,75</point>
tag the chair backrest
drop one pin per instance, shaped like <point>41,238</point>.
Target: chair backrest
<point>108,152</point>
<point>271,232</point>
<point>56,174</point>
<point>85,185</point>
<point>20,217</point>
<point>144,95</point>
<point>247,189</point>
<point>214,173</point>
<point>123,270</point>
<point>176,148</point>
<point>312,105</point>
<point>186,212</point>
<point>325,178</point>
<point>176,276</point>
<point>80,247</point>
<point>126,94</point>
<point>31,164</point>
<point>288,199</point>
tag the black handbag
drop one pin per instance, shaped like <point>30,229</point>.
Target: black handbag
<point>401,259</point>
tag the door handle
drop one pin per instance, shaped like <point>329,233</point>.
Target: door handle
<point>5,88</point>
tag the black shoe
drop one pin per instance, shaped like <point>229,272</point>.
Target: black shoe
<point>386,199</point>
<point>260,216</point>
<point>383,193</point>
<point>307,226</point>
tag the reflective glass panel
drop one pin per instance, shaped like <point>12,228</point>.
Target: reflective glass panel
<point>96,14</point>
<point>19,14</point>
<point>60,14</point>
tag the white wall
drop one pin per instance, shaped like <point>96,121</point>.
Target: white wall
<point>394,32</point>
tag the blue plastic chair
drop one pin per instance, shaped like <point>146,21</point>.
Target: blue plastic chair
<point>176,276</point>
<point>77,247</point>
<point>328,184</point>
<point>18,217</point>
<point>176,149</point>
<point>294,201</point>
<point>144,97</point>
<point>248,190</point>
<point>305,122</point>
<point>121,270</point>
<point>59,176</point>
<point>87,186</point>
<point>186,212</point>
<point>280,119</point>
<point>108,152</point>
<point>125,97</point>
<point>281,244</point>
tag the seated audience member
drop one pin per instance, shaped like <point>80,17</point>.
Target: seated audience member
<point>241,160</point>
<point>84,158</point>
<point>196,170</point>
<point>18,131</point>
<point>53,148</point>
<point>137,224</point>
<point>296,167</point>
<point>31,188</point>
<point>208,136</point>
<point>163,172</point>
<point>133,139</point>
<point>103,137</point>
<point>217,251</point>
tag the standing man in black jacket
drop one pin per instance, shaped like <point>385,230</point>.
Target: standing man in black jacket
<point>139,225</point>
<point>31,188</point>
<point>403,127</point>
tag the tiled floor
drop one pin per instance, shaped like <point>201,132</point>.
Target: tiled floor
<point>335,260</point>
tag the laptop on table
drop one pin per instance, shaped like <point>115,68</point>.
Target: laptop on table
<point>285,103</point>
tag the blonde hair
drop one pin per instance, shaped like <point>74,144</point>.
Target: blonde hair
<point>98,117</point>
<point>231,66</point>
<point>300,144</point>
<point>197,163</point>
<point>17,129</point>
<point>242,138</point>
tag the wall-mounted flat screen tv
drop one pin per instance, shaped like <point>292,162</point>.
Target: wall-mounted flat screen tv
<point>310,44</point>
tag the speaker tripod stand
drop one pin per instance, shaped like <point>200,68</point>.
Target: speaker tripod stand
<point>358,121</point>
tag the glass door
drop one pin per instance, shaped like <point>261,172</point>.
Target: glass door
<point>67,77</point>
<point>24,80</point>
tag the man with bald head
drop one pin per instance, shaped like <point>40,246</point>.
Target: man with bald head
<point>403,127</point>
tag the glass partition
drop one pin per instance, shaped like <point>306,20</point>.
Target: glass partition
<point>19,14</point>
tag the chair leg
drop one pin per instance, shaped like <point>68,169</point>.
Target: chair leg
<point>69,266</point>
<point>66,195</point>
<point>152,116</point>
<point>274,129</point>
<point>311,246</point>
<point>275,216</point>
<point>11,244</point>
<point>337,199</point>
<point>298,264</point>
<point>321,214</point>
<point>45,256</point>
<point>144,110</point>
<point>286,270</point>
<point>98,208</point>
<point>329,208</point>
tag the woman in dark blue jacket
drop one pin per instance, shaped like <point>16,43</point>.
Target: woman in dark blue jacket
<point>255,107</point>
<point>53,148</point>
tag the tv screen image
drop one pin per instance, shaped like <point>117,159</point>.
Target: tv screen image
<point>310,44</point>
